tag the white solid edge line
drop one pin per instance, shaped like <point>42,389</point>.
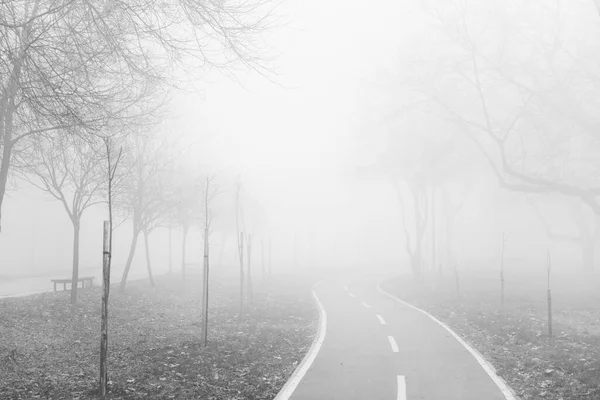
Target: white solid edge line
<point>380,318</point>
<point>352,295</point>
<point>393,344</point>
<point>366,305</point>
<point>291,384</point>
<point>487,367</point>
<point>401,388</point>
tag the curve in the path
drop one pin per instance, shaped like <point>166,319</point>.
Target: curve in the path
<point>379,347</point>
<point>487,367</point>
<point>300,371</point>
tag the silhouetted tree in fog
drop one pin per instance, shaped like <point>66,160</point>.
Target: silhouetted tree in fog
<point>145,201</point>
<point>185,204</point>
<point>525,104</point>
<point>69,169</point>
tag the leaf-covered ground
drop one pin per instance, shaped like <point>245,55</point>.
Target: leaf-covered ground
<point>50,350</point>
<point>514,338</point>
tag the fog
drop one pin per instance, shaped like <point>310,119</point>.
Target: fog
<point>387,190</point>
<point>361,101</point>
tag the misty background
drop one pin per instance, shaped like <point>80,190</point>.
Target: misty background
<point>363,93</point>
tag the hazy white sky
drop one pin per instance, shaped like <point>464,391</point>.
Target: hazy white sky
<point>294,143</point>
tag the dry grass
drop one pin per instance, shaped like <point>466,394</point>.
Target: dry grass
<point>50,350</point>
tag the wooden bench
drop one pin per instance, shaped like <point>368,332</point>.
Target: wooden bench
<point>65,281</point>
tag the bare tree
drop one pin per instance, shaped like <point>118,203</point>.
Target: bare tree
<point>186,203</point>
<point>113,161</point>
<point>210,191</point>
<point>420,210</point>
<point>145,200</point>
<point>68,169</point>
<point>587,229</point>
<point>239,212</point>
<point>66,64</point>
<point>532,124</point>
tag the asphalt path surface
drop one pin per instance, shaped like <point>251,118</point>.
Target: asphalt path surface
<point>376,347</point>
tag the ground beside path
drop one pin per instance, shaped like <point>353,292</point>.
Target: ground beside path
<point>514,336</point>
<point>50,350</point>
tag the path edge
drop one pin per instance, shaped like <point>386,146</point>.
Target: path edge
<point>288,388</point>
<point>506,390</point>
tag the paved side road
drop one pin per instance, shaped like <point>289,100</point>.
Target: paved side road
<point>376,347</point>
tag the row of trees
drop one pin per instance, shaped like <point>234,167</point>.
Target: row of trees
<point>81,80</point>
<point>509,85</point>
<point>82,84</point>
<point>151,187</point>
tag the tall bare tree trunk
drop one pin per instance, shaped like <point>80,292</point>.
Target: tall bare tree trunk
<point>148,264</point>
<point>416,259</point>
<point>4,167</point>
<point>132,248</point>
<point>241,255</point>
<point>75,274</point>
<point>106,256</point>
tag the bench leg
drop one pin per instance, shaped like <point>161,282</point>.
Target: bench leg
<point>54,286</point>
<point>64,286</point>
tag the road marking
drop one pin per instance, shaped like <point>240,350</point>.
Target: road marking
<point>351,295</point>
<point>366,305</point>
<point>309,358</point>
<point>380,318</point>
<point>393,344</point>
<point>346,288</point>
<point>401,387</point>
<point>487,367</point>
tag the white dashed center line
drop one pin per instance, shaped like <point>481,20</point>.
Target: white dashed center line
<point>346,288</point>
<point>401,388</point>
<point>351,295</point>
<point>393,344</point>
<point>366,305</point>
<point>380,318</point>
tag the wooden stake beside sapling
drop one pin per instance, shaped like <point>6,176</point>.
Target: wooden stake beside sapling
<point>549,266</point>
<point>205,291</point>
<point>241,254</point>
<point>104,315</point>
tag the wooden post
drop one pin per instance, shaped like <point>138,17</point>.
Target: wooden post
<point>205,291</point>
<point>502,271</point>
<point>104,315</point>
<point>241,250</point>
<point>549,265</point>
